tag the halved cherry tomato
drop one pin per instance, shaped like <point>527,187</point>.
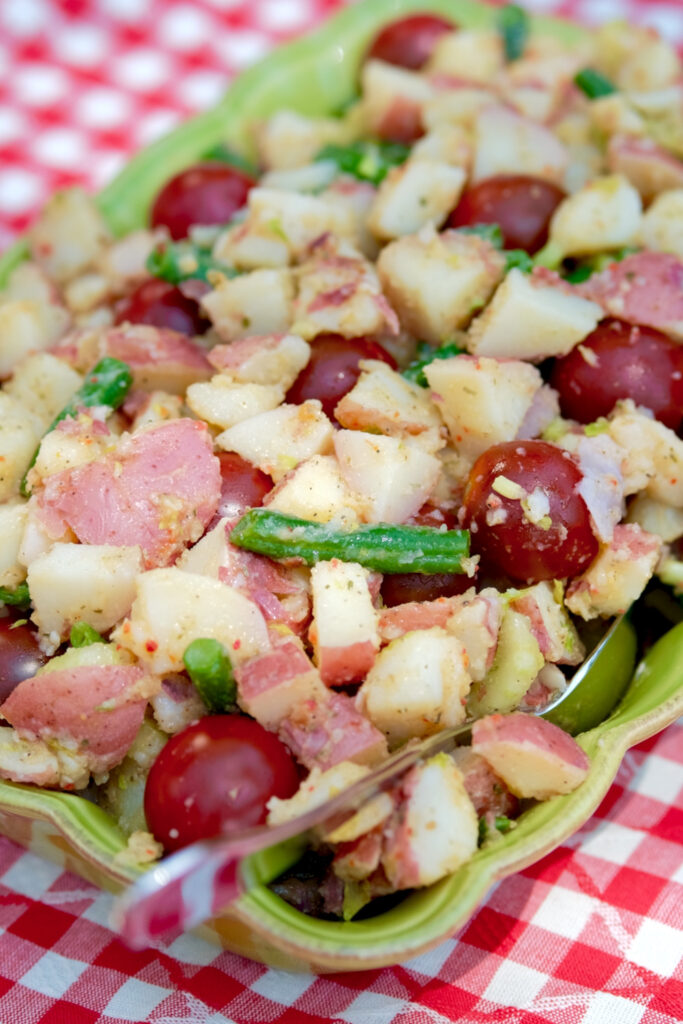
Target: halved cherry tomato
<point>409,42</point>
<point>207,193</point>
<point>521,204</point>
<point>543,533</point>
<point>618,360</point>
<point>20,655</point>
<point>214,778</point>
<point>242,485</point>
<point>161,304</point>
<point>333,369</point>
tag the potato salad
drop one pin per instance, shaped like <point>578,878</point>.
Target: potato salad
<point>347,446</point>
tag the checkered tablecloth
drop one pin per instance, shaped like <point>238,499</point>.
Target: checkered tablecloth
<point>593,934</point>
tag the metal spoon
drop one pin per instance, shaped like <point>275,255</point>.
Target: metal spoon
<point>199,881</point>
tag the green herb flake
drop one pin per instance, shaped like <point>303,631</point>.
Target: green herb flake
<point>82,635</point>
<point>514,27</point>
<point>18,597</point>
<point>181,261</point>
<point>425,355</point>
<point>593,84</point>
<point>366,160</point>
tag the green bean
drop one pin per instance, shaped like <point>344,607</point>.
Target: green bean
<point>386,547</point>
<point>209,668</point>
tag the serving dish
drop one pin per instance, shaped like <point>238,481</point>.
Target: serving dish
<point>317,75</point>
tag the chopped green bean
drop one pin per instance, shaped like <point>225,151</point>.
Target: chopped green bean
<point>82,635</point>
<point>107,384</point>
<point>425,355</point>
<point>514,26</point>
<point>593,83</point>
<point>519,259</point>
<point>180,261</point>
<point>366,160</point>
<point>386,547</point>
<point>209,668</point>
<point>18,597</point>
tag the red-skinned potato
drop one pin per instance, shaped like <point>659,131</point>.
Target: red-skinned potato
<point>533,757</point>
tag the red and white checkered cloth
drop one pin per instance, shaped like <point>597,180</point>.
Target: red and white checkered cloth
<point>593,934</point>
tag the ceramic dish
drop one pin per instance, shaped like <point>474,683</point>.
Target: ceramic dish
<point>317,75</point>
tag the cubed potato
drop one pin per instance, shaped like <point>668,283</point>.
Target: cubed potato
<point>172,608</point>
<point>437,282</point>
<point>86,292</point>
<point>528,319</point>
<point>13,518</point>
<point>393,98</point>
<point>344,628</point>
<point>382,400</point>
<point>278,440</point>
<point>29,281</point>
<point>27,326</point>
<point>356,197</point>
<point>224,403</point>
<point>316,490</point>
<point>90,583</point>
<point>438,830</point>
<point>393,478</point>
<point>517,662</point>
<point>475,622</point>
<point>661,228</point>
<point>69,235</point>
<point>604,214</point>
<point>447,143</point>
<point>507,143</point>
<point>60,450</point>
<point>18,441</point>
<point>124,262</point>
<point>291,218</point>
<point>43,384</point>
<point>534,758</point>
<point>157,407</point>
<point>655,517</point>
<point>418,685</point>
<point>618,575</point>
<point>653,454</point>
<point>420,192</point>
<point>475,55</point>
<point>652,64</point>
<point>339,293</point>
<point>458,106</point>
<point>272,685</point>
<point>255,303</point>
<point>316,789</point>
<point>289,139</point>
<point>649,167</point>
<point>483,401</point>
<point>555,632</point>
<point>268,359</point>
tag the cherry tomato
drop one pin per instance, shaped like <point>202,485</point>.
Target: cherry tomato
<point>208,193</point>
<point>401,587</point>
<point>505,531</point>
<point>626,362</point>
<point>522,205</point>
<point>333,369</point>
<point>20,655</point>
<point>161,304</point>
<point>214,778</point>
<point>409,42</point>
<point>242,485</point>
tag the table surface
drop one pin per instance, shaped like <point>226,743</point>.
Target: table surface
<point>593,933</point>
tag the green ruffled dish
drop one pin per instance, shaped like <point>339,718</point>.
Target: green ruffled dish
<point>317,75</point>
